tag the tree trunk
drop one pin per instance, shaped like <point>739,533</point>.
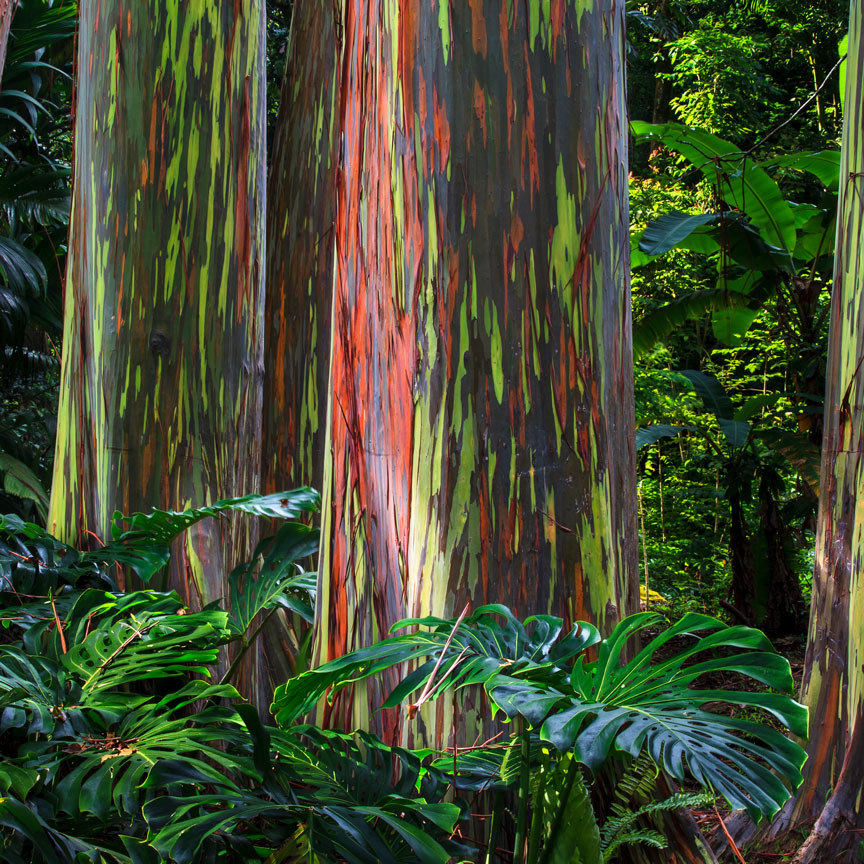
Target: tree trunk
<point>7,13</point>
<point>785,608</point>
<point>741,555</point>
<point>300,215</point>
<point>480,426</point>
<point>661,109</point>
<point>299,277</point>
<point>833,679</point>
<point>162,347</point>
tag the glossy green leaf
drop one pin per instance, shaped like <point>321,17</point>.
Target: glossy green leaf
<point>745,186</point>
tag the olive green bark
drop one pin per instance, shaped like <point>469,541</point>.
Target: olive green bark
<point>480,423</point>
<point>299,276</point>
<point>162,348</point>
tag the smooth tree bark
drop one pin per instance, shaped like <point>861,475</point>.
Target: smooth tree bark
<point>480,422</point>
<point>299,271</point>
<point>830,799</point>
<point>7,13</point>
<point>299,277</point>
<point>833,672</point>
<point>162,348</point>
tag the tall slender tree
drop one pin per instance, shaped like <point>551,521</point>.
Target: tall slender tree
<point>480,418</point>
<point>300,203</point>
<point>162,348</point>
<point>834,666</point>
<point>299,273</point>
<point>833,684</point>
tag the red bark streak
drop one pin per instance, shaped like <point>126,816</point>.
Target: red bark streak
<point>478,28</point>
<point>511,111</point>
<point>529,144</point>
<point>480,107</point>
<point>242,235</point>
<point>442,131</point>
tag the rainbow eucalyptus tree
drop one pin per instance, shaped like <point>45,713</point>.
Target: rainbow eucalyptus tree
<point>162,347</point>
<point>833,684</point>
<point>299,273</point>
<point>7,13</point>
<point>480,419</point>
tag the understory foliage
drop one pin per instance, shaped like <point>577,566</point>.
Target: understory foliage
<point>118,744</point>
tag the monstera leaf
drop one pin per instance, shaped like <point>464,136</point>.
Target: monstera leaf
<point>539,672</point>
<point>470,651</point>
<point>143,543</point>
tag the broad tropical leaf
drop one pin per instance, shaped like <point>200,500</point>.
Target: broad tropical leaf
<point>477,647</point>
<point>143,544</point>
<point>593,708</point>
<point>746,187</point>
<point>646,435</point>
<point>825,165</point>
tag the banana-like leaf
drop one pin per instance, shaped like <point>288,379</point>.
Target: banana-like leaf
<point>669,230</point>
<point>20,480</point>
<point>646,435</point>
<point>659,324</point>
<point>825,165</point>
<point>742,184</point>
<point>801,453</point>
<point>711,392</point>
<point>717,401</point>
<point>708,233</point>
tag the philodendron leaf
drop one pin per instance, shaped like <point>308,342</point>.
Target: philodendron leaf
<point>639,705</point>
<point>476,649</point>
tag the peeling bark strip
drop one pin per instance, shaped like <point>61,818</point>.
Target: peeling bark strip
<point>480,420</point>
<point>162,346</point>
<point>299,277</point>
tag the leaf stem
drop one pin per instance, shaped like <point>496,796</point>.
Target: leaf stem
<point>524,793</point>
<point>247,644</point>
<point>555,827</point>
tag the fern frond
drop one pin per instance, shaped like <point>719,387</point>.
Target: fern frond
<point>647,837</point>
<point>639,781</point>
